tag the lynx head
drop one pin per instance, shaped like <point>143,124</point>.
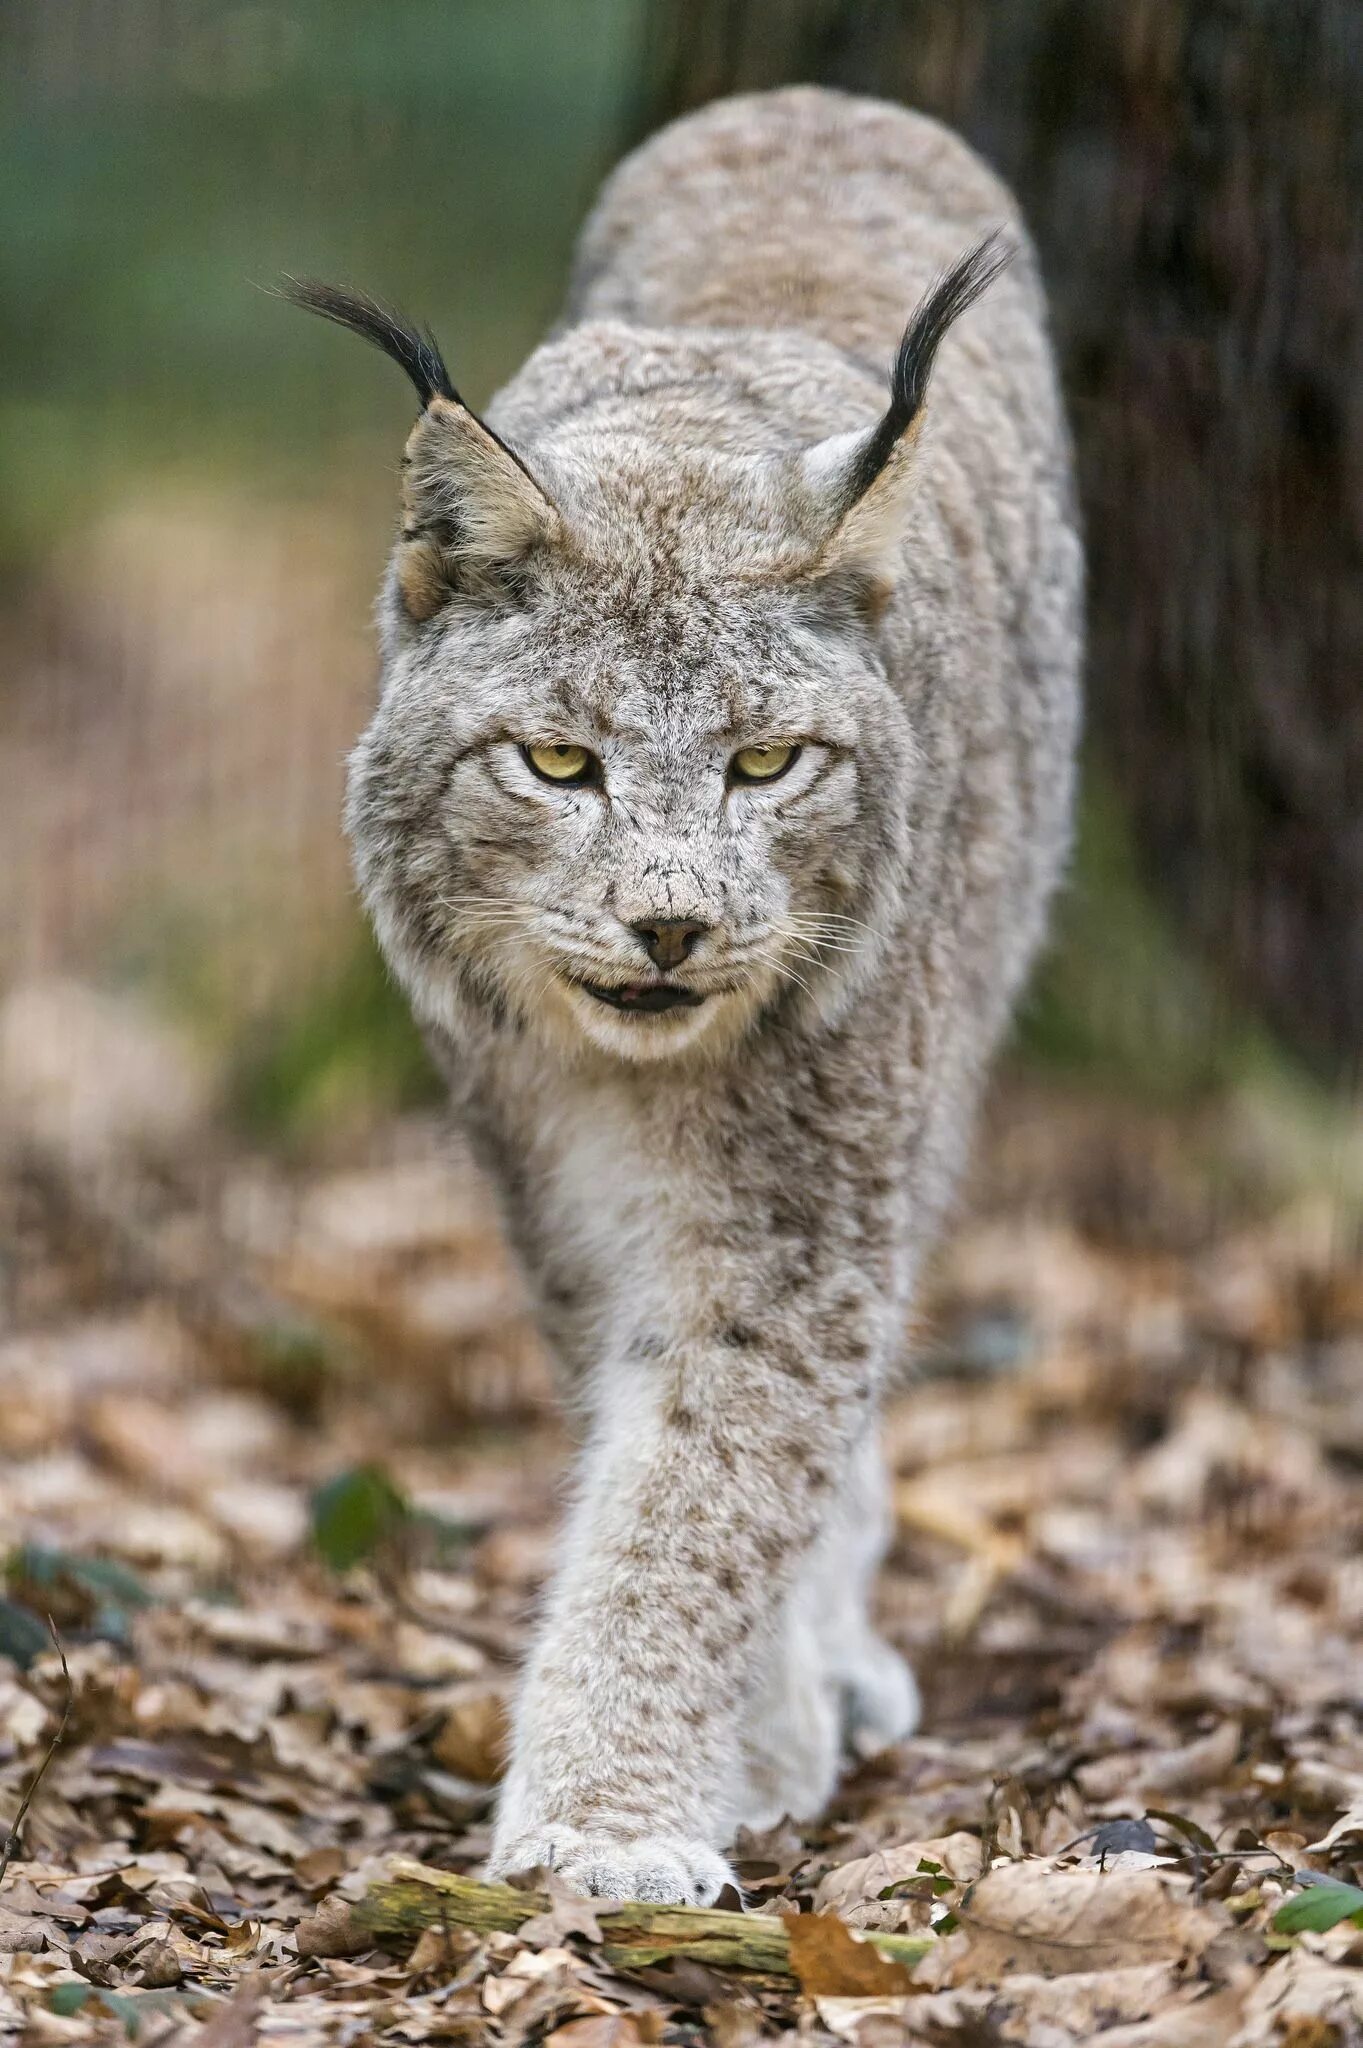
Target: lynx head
<point>636,776</point>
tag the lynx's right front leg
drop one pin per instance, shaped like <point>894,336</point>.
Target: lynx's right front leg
<point>709,1477</point>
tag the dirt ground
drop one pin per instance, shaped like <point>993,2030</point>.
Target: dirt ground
<point>277,1460</point>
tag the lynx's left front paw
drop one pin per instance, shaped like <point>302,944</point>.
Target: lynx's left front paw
<point>666,1870</point>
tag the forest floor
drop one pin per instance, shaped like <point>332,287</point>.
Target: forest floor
<point>276,1460</point>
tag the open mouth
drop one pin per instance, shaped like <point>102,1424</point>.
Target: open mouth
<point>644,998</point>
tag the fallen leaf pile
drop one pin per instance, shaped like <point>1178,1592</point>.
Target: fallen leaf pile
<point>277,1492</point>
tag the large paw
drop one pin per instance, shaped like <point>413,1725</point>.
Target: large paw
<point>666,1870</point>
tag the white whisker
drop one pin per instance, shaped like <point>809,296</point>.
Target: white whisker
<point>825,919</point>
<point>786,972</point>
<point>807,939</point>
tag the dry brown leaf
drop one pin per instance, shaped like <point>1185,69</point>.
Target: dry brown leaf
<point>1200,2020</point>
<point>857,2019</point>
<point>260,1736</point>
<point>730,2025</point>
<point>830,1962</point>
<point>1078,2008</point>
<point>332,1931</point>
<point>602,2030</point>
<point>1206,1761</point>
<point>1042,1920</point>
<point>434,1655</point>
<point>473,1739</point>
<point>440,1951</point>
<point>28,1934</point>
<point>1348,1828</point>
<point>158,1966</point>
<point>316,1869</point>
<point>569,1913</point>
<point>235,2024</point>
<point>48,1895</point>
<point>501,1992</point>
<point>1307,2001</point>
<point>853,1890</point>
<point>1162,1774</point>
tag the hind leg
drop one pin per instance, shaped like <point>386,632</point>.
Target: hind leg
<point>831,1688</point>
<point>791,1741</point>
<point>878,1696</point>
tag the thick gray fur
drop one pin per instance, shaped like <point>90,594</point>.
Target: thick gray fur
<point>722,1211</point>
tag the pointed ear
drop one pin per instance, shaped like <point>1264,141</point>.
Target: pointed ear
<point>472,512</point>
<point>859,484</point>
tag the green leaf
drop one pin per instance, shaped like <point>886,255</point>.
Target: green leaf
<point>67,1999</point>
<point>1322,1905</point>
<point>912,1887</point>
<point>22,1635</point>
<point>94,1594</point>
<point>110,1581</point>
<point>133,2008</point>
<point>356,1514</point>
<point>102,1579</point>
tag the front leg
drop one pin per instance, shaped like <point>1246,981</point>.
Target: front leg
<point>708,1476</point>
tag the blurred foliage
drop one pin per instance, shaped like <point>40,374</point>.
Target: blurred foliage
<point>164,171</point>
<point>1120,996</point>
<point>22,1636</point>
<point>362,1516</point>
<point>139,2013</point>
<point>357,1513</point>
<point>98,1596</point>
<point>347,1046</point>
<point>1189,172</point>
<point>166,166</point>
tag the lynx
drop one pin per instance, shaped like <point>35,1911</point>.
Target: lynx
<point>719,780</point>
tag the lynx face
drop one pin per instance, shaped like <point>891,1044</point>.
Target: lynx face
<point>637,775</point>
<point>629,827</point>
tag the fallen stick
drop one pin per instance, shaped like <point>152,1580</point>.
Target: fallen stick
<point>634,1935</point>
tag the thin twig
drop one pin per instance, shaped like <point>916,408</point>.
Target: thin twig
<point>12,1839</point>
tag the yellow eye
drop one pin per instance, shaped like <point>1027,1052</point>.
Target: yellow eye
<point>762,764</point>
<point>560,763</point>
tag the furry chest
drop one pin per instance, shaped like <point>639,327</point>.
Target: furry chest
<point>602,1228</point>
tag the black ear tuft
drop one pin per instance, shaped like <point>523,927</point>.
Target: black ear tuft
<point>965,282</point>
<point>414,349</point>
<point>944,303</point>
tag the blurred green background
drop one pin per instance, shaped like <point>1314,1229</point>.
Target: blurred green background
<point>199,486</point>
<point>168,161</point>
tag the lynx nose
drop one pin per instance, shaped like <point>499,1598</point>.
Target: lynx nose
<point>668,940</point>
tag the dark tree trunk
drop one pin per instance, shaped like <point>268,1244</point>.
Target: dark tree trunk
<point>1193,171</point>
